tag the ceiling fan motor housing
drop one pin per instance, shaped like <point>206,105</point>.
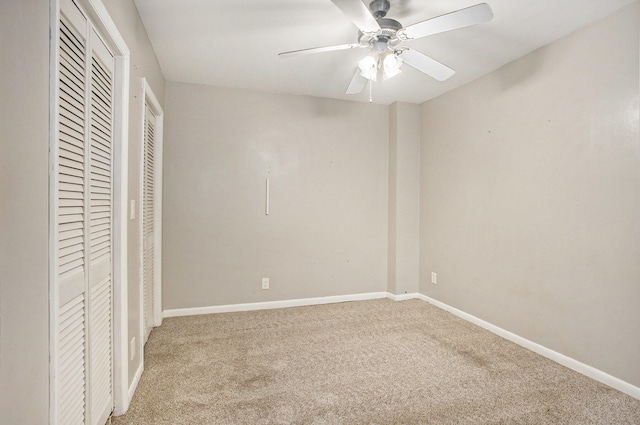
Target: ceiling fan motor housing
<point>387,34</point>
<point>379,8</point>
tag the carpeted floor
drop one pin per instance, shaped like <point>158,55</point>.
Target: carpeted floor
<point>367,362</point>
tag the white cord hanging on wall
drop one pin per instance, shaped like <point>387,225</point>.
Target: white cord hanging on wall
<point>266,203</point>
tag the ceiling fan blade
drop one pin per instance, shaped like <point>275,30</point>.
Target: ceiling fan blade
<point>357,84</point>
<point>359,14</point>
<point>424,63</point>
<point>318,50</point>
<point>459,19</point>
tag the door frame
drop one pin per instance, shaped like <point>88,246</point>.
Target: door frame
<point>97,13</point>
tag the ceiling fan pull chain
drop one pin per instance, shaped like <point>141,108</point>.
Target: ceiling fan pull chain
<point>370,91</point>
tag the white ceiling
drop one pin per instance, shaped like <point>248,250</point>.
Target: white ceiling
<point>235,43</point>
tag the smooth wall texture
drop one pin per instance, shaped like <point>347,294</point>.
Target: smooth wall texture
<point>530,196</point>
<point>404,198</point>
<point>24,200</point>
<point>327,163</point>
<point>143,65</point>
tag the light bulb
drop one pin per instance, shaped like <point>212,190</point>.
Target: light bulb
<point>369,66</point>
<point>391,64</point>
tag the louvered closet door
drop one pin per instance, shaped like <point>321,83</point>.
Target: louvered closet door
<point>100,231</point>
<point>148,220</point>
<point>71,214</point>
<point>83,356</point>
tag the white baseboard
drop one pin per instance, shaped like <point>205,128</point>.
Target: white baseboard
<point>402,297</point>
<point>136,380</point>
<point>569,362</point>
<point>123,406</point>
<point>273,304</point>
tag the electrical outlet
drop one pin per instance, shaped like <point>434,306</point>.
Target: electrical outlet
<point>132,350</point>
<point>265,283</point>
<point>434,278</point>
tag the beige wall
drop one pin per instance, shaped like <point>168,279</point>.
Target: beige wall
<point>24,180</point>
<point>404,198</point>
<point>143,65</point>
<point>530,197</point>
<point>327,162</point>
<point>24,188</point>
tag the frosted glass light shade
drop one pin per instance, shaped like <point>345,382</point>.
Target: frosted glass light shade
<point>369,66</point>
<point>391,64</point>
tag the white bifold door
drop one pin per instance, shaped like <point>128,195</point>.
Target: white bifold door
<point>148,221</point>
<point>83,204</point>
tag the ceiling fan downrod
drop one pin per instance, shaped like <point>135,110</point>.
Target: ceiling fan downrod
<point>379,8</point>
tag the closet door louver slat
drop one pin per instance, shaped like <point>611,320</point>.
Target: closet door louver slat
<point>72,370</point>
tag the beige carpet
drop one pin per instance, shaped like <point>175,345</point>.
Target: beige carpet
<point>369,362</point>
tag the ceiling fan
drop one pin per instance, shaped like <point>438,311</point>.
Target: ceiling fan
<point>382,36</point>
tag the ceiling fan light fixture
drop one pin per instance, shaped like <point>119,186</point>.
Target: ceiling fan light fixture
<point>369,66</point>
<point>391,64</point>
<point>383,37</point>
